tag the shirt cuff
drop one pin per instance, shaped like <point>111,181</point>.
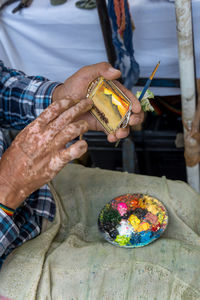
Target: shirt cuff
<point>43,96</point>
<point>8,231</point>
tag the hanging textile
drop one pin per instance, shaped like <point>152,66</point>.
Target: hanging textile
<point>122,33</point>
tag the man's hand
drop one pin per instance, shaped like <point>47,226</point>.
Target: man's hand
<point>75,87</point>
<point>38,152</point>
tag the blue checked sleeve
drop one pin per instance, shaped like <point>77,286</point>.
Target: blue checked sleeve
<point>22,98</point>
<point>8,231</point>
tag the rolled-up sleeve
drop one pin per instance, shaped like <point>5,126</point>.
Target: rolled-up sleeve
<point>8,231</point>
<point>22,97</point>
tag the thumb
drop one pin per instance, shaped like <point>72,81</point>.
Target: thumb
<point>90,73</point>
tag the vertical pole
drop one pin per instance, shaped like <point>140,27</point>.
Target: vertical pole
<point>128,155</point>
<point>106,30</point>
<point>187,78</point>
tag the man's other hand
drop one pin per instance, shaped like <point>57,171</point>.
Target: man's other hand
<point>38,152</point>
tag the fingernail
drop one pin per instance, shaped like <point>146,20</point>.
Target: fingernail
<point>113,70</point>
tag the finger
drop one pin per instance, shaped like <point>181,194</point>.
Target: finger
<point>70,132</point>
<point>136,107</point>
<point>60,159</point>
<point>74,151</point>
<point>122,133</point>
<point>112,137</point>
<point>54,110</point>
<point>136,118</point>
<point>70,115</point>
<point>54,127</point>
<point>93,123</point>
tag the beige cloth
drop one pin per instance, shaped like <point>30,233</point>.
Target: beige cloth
<point>71,260</point>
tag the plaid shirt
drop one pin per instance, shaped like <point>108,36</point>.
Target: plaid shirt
<point>22,99</point>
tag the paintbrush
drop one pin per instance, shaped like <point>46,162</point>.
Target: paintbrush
<point>145,88</point>
<point>147,84</point>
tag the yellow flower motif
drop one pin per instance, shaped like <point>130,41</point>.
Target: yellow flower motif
<point>153,209</point>
<point>143,227</point>
<point>142,203</point>
<point>161,217</point>
<point>148,201</point>
<point>122,240</point>
<point>134,221</point>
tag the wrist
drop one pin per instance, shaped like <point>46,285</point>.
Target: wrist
<point>9,211</point>
<point>10,197</point>
<point>57,93</point>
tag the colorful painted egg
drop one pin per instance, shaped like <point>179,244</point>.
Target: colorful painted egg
<point>133,220</point>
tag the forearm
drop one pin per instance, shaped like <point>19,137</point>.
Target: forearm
<point>10,196</point>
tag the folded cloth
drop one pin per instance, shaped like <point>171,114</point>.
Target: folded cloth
<point>71,260</point>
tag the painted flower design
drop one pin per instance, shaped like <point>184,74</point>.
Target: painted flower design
<point>133,220</point>
<point>122,208</point>
<point>125,228</point>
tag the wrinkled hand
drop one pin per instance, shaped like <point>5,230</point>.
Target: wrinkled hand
<point>38,152</point>
<point>75,87</point>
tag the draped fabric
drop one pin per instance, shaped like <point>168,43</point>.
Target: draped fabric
<point>71,260</point>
